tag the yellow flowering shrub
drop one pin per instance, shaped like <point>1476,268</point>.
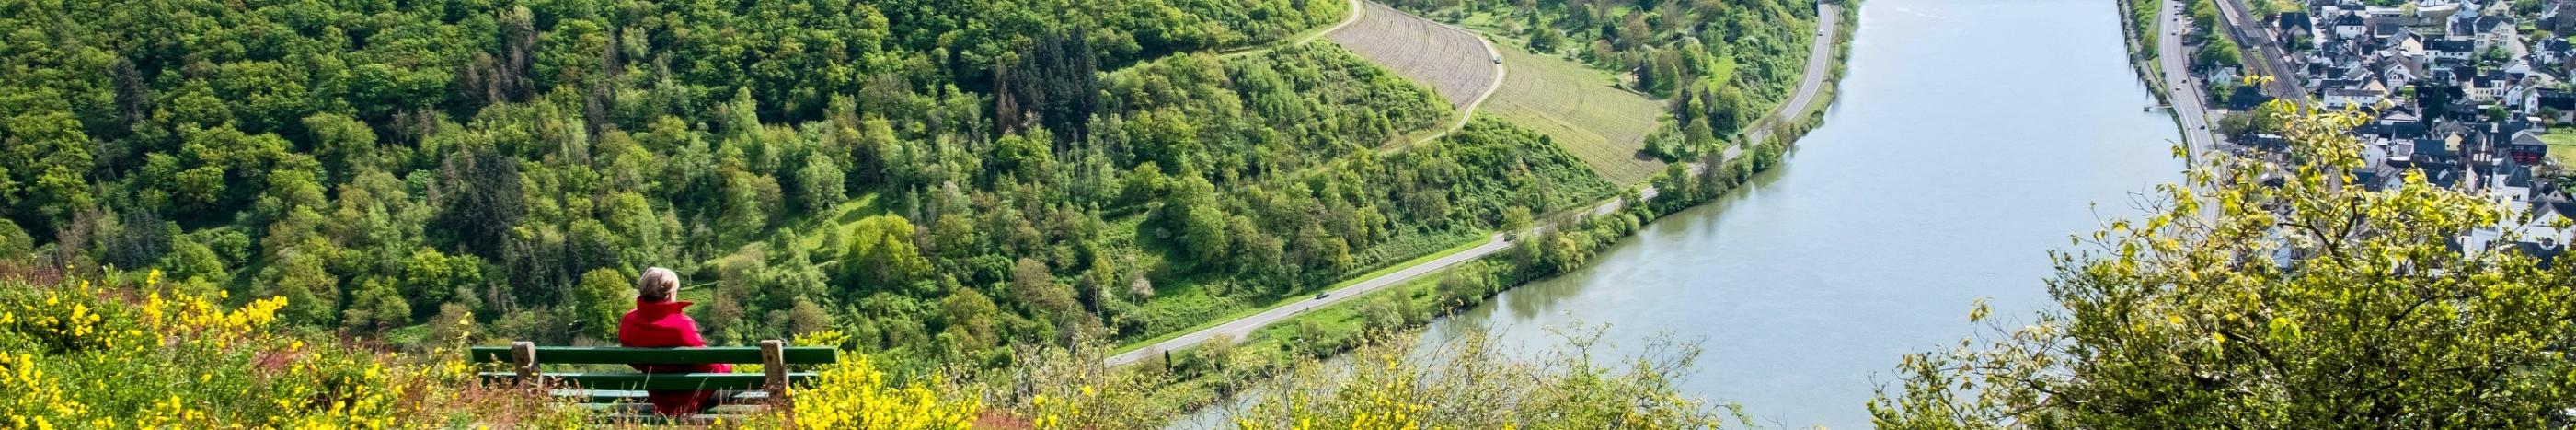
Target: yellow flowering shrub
<point>1063,411</point>
<point>854,394</point>
<point>196,317</point>
<point>90,355</point>
<point>34,397</point>
<point>64,321</point>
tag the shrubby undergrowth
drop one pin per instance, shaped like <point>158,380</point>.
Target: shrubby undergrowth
<point>130,351</point>
<point>115,353</point>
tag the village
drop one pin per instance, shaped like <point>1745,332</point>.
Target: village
<point>2471,93</point>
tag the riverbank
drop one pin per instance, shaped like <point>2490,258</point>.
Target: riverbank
<point>1219,368</point>
<point>2138,31</point>
<point>1216,369</point>
<point>2168,76</point>
<point>1964,144</point>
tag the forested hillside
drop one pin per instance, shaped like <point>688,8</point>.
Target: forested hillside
<point>938,179</point>
<point>1719,64</point>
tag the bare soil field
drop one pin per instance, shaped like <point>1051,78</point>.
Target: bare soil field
<point>1580,108</point>
<point>1451,61</point>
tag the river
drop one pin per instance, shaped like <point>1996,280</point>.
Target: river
<point>1970,138</point>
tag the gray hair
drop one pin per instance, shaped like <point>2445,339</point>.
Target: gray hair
<point>657,285</point>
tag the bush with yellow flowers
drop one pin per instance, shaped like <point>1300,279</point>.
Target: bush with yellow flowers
<point>853,393</point>
<point>81,354</point>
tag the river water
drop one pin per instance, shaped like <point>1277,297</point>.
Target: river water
<point>1970,138</point>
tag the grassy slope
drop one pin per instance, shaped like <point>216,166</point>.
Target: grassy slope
<point>841,217</point>
<point>1186,300</point>
<point>2562,147</point>
<point>1579,108</point>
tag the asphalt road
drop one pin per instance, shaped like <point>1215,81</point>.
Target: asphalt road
<point>1469,111</point>
<point>2186,95</point>
<point>1239,328</point>
<point>2514,44</point>
<point>1819,63</point>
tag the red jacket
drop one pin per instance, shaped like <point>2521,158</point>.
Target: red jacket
<point>661,325</point>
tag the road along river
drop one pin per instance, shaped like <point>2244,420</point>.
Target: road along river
<point>1969,138</point>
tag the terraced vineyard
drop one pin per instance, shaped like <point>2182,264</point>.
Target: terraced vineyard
<point>1580,109</point>
<point>1452,62</point>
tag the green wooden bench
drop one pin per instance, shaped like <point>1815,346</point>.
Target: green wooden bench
<point>623,393</point>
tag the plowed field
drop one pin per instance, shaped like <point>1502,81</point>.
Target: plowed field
<point>1451,61</point>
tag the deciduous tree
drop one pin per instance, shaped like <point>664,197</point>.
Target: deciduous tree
<point>881,255</point>
<point>601,297</point>
<point>2314,304</point>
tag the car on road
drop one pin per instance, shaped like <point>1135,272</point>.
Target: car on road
<point>1322,295</point>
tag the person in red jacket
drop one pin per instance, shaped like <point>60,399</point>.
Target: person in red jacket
<point>657,322</point>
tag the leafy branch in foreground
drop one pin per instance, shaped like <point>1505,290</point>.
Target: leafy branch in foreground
<point>2313,303</point>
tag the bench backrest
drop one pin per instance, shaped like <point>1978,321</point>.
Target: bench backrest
<point>622,355</point>
<point>598,387</point>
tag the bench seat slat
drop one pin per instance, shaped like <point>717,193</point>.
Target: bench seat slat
<point>648,418</point>
<point>620,355</point>
<point>654,381</point>
<point>647,409</point>
<point>633,396</point>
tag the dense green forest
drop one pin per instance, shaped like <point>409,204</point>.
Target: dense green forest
<point>938,179</point>
<point>1719,64</point>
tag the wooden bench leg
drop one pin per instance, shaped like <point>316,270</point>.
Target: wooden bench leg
<point>524,355</point>
<point>773,363</point>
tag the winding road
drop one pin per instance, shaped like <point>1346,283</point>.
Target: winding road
<point>1811,82</point>
<point>2186,97</point>
<point>1469,112</point>
<point>1819,65</point>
